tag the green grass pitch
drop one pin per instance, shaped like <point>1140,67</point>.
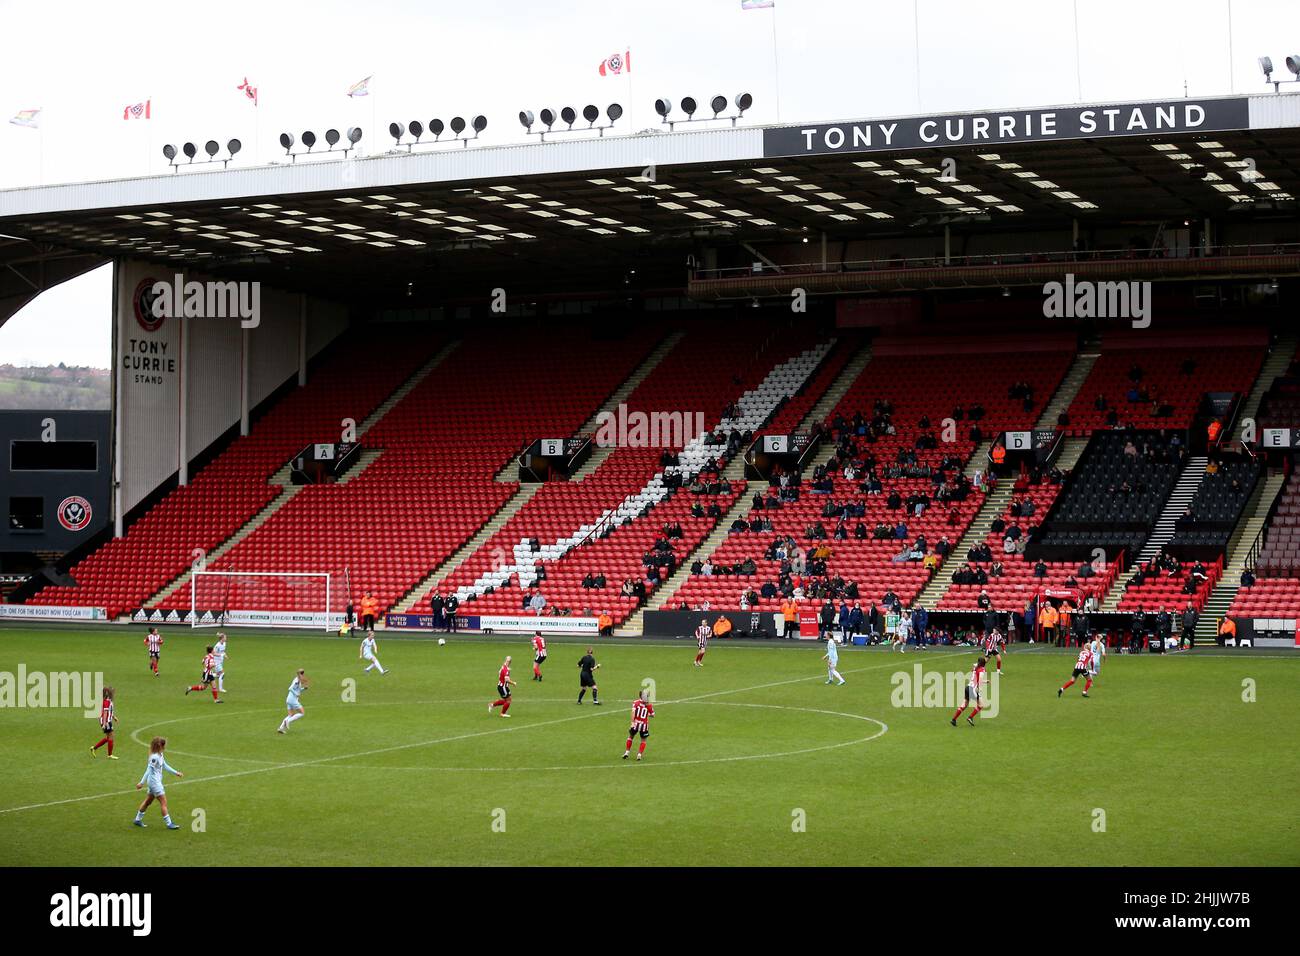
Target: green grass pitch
<point>752,759</point>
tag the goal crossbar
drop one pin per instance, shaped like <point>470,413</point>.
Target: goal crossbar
<point>217,599</point>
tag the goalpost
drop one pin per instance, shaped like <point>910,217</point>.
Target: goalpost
<point>298,599</point>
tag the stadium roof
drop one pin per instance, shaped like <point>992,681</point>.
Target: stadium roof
<point>573,213</point>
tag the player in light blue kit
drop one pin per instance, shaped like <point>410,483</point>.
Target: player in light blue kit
<point>832,659</point>
<point>300,684</point>
<point>370,652</point>
<point>153,779</point>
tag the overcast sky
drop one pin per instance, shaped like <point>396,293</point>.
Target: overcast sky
<point>83,62</point>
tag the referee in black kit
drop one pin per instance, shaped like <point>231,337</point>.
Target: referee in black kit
<point>587,678</point>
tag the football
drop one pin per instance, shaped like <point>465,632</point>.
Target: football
<point>442,641</point>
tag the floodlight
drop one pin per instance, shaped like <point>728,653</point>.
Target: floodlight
<point>331,138</point>
<point>1266,66</point>
<point>309,140</point>
<point>287,141</point>
<point>458,125</point>
<point>526,119</point>
<point>479,123</point>
<point>234,146</point>
<point>417,129</point>
<point>743,102</point>
<point>169,151</point>
<point>547,117</point>
<point>1293,63</point>
<point>568,115</point>
<point>614,112</point>
<point>437,127</point>
<point>211,147</point>
<point>189,150</point>
<point>718,104</point>
<point>354,135</point>
<point>591,114</point>
<point>397,131</point>
<point>663,106</point>
<point>688,105</point>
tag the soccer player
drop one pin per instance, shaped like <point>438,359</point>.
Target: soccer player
<point>702,635</point>
<point>539,654</point>
<point>994,643</point>
<point>106,716</point>
<point>1082,668</point>
<point>902,630</point>
<point>292,703</point>
<point>587,668</point>
<point>972,693</point>
<point>832,659</point>
<point>369,651</point>
<point>154,642</point>
<point>153,778</point>
<point>504,683</point>
<point>219,659</point>
<point>1098,648</point>
<point>208,681</point>
<point>642,711</point>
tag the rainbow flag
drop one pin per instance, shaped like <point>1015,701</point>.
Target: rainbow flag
<point>361,87</point>
<point>29,118</point>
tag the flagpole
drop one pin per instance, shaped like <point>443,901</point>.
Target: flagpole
<point>776,66</point>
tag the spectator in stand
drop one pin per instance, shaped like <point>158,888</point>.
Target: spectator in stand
<point>1227,631</point>
<point>605,624</point>
<point>1247,578</point>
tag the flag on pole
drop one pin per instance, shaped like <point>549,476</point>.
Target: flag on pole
<point>28,118</point>
<point>138,110</point>
<point>616,63</point>
<point>361,87</point>
<point>248,90</point>
<point>757,4</point>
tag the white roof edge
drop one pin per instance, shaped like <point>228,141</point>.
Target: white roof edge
<point>560,155</point>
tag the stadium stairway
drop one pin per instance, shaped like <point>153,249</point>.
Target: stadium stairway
<point>1072,381</point>
<point>1278,361</point>
<point>1184,491</point>
<point>666,591</point>
<point>994,504</point>
<point>288,489</point>
<point>838,389</point>
<point>525,494</point>
<point>735,472</point>
<point>1245,535</point>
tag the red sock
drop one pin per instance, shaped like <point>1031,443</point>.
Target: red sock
<point>537,671</point>
<point>197,687</point>
<point>959,710</point>
<point>110,748</point>
<point>214,691</point>
<point>505,706</point>
<point>697,657</point>
<point>1068,684</point>
<point>976,712</point>
<point>1088,686</point>
<point>105,740</point>
<point>999,665</point>
<point>628,746</point>
<point>499,702</point>
<point>642,749</point>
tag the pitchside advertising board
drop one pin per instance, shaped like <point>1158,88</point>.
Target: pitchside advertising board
<point>1008,127</point>
<point>36,612</point>
<point>505,624</point>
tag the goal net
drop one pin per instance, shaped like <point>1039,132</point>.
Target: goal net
<point>261,599</point>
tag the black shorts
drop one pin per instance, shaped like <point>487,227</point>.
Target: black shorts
<point>539,659</point>
<point>586,679</point>
<point>633,731</point>
<point>368,622</point>
<point>972,692</point>
<point>109,728</point>
<point>155,654</point>
<point>1081,672</point>
<point>208,677</point>
<point>503,690</point>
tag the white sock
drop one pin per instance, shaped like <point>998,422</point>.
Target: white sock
<point>291,718</point>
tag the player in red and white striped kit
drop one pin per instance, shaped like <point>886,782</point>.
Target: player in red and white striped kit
<point>153,642</point>
<point>972,693</point>
<point>994,643</point>
<point>1082,668</point>
<point>107,715</point>
<point>208,681</point>
<point>642,711</point>
<point>702,635</point>
<point>539,654</point>
<point>504,683</point>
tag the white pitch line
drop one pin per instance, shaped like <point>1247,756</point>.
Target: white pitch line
<point>426,743</point>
